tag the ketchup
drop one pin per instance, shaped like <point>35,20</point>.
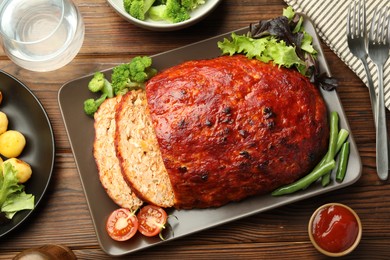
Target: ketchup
<point>335,228</point>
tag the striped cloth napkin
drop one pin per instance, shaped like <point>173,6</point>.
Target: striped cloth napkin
<point>330,19</point>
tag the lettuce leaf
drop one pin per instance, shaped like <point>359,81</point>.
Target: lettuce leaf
<point>282,40</point>
<point>289,13</point>
<point>13,198</point>
<point>265,49</point>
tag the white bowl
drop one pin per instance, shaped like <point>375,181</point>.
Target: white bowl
<point>196,15</point>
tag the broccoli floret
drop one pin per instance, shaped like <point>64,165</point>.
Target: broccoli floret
<point>97,82</point>
<point>124,77</point>
<point>156,13</point>
<point>191,4</point>
<point>172,11</point>
<point>120,78</point>
<point>132,75</point>
<point>91,105</point>
<point>107,89</point>
<point>127,4</point>
<point>140,69</point>
<point>137,8</point>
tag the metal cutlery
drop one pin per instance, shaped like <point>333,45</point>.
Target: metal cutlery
<point>357,43</point>
<point>378,51</point>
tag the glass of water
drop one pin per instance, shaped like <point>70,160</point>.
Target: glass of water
<point>41,35</point>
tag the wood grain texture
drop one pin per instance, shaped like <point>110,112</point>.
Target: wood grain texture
<point>64,218</point>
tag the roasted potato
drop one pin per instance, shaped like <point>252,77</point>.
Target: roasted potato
<point>23,169</point>
<point>12,143</point>
<point>3,122</point>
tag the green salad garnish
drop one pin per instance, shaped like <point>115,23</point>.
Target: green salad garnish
<point>13,198</point>
<point>282,40</point>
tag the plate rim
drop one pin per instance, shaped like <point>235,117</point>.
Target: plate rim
<point>42,110</point>
<point>279,201</point>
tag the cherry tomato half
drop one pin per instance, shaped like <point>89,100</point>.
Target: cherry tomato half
<point>121,224</point>
<point>151,220</point>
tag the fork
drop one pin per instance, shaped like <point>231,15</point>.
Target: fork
<point>378,51</point>
<point>357,43</point>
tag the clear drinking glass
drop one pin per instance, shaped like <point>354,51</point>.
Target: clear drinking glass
<point>41,35</point>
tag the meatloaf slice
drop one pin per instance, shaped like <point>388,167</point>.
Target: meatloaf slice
<point>231,127</point>
<point>138,151</point>
<point>105,156</point>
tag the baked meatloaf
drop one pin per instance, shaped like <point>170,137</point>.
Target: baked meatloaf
<point>138,152</point>
<point>104,152</point>
<point>231,127</point>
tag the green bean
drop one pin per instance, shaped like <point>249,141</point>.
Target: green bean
<point>343,162</point>
<point>342,136</point>
<point>334,130</point>
<point>318,171</point>
<point>307,180</point>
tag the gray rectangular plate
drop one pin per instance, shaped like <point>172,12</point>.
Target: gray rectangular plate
<point>81,135</point>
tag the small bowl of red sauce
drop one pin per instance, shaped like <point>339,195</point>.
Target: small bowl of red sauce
<point>335,229</point>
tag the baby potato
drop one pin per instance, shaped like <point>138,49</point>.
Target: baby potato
<point>23,169</point>
<point>3,122</point>
<point>12,143</point>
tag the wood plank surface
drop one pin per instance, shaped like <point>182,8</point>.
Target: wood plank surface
<point>64,218</point>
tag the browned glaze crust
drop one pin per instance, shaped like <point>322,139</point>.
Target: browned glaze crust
<point>231,127</point>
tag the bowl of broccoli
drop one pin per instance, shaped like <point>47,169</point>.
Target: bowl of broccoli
<point>163,15</point>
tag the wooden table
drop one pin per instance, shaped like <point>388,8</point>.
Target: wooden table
<point>63,216</point>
